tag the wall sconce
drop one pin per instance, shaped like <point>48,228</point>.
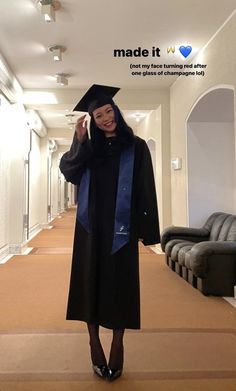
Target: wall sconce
<point>176,163</point>
<point>57,51</point>
<point>49,8</point>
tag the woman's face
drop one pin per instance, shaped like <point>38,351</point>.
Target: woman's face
<point>104,118</point>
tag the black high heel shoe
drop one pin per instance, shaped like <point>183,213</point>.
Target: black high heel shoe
<point>100,370</point>
<point>113,374</point>
<point>117,352</point>
<point>97,355</point>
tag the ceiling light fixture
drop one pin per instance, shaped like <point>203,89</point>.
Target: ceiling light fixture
<point>49,8</point>
<point>62,79</point>
<point>57,51</point>
<point>70,118</point>
<point>138,116</point>
<point>48,13</point>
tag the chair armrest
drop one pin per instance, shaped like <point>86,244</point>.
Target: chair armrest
<point>185,233</point>
<point>201,254</point>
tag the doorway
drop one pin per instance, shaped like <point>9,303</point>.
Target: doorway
<point>211,156</point>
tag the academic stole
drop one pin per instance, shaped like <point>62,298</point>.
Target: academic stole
<point>123,200</point>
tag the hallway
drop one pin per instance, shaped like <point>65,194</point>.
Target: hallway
<point>177,86</point>
<point>187,340</point>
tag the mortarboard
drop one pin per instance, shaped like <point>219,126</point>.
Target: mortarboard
<point>96,96</point>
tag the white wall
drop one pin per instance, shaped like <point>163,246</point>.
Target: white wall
<point>14,146</point>
<point>44,182</point>
<point>71,196</point>
<point>14,149</point>
<point>221,64</point>
<point>211,170</point>
<point>56,186</point>
<point>61,190</point>
<point>35,184</point>
<point>151,128</point>
<point>19,144</point>
<point>66,189</point>
<point>4,174</point>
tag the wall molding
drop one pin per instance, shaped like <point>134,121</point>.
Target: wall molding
<point>34,230</point>
<point>4,252</point>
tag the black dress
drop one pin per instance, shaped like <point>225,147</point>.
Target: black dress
<point>104,287</point>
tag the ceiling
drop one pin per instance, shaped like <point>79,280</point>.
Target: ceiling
<point>90,31</point>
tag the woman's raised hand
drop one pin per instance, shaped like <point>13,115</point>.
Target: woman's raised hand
<point>81,128</point>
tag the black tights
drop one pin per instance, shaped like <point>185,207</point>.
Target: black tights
<point>117,349</point>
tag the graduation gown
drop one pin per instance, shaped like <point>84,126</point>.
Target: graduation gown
<point>104,286</point>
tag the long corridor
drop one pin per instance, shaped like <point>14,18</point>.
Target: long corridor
<point>187,340</point>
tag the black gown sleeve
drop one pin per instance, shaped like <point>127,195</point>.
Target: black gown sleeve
<point>148,221</point>
<point>74,162</point>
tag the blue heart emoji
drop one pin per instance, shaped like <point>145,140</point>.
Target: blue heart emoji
<point>185,50</point>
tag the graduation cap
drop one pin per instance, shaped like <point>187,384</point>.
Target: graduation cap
<point>95,97</point>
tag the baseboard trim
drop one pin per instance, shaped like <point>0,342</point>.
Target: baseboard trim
<point>4,252</point>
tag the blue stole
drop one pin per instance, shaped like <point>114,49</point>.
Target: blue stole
<point>123,200</point>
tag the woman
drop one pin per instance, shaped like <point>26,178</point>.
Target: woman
<point>116,208</point>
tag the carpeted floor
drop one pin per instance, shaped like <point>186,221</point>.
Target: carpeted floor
<point>187,340</point>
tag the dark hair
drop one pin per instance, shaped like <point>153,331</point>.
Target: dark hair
<point>123,132</point>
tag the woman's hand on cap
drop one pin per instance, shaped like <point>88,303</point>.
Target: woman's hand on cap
<point>81,128</point>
